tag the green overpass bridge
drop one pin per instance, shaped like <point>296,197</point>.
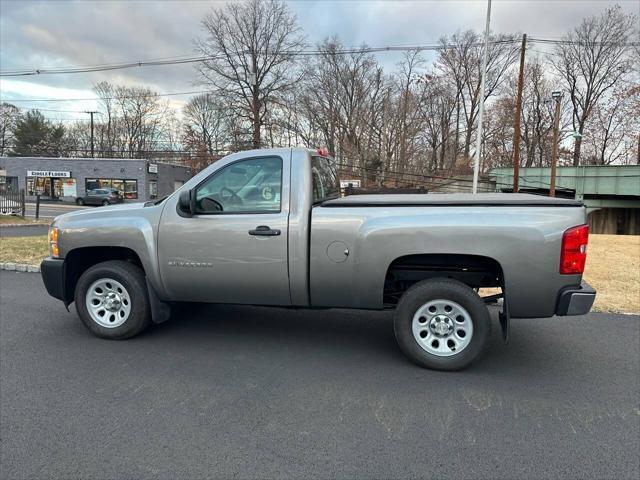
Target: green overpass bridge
<point>611,193</point>
<point>611,186</point>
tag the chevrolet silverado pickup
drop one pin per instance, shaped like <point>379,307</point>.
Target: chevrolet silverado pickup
<point>270,227</point>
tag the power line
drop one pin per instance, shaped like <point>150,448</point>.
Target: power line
<point>307,52</point>
<point>582,44</point>
<point>50,110</point>
<point>104,98</point>
<point>293,53</point>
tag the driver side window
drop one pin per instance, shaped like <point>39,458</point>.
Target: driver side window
<point>247,186</point>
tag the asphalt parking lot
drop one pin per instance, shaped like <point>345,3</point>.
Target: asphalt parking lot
<point>246,392</point>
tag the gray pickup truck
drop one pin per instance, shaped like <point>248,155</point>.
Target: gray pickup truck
<point>269,227</point>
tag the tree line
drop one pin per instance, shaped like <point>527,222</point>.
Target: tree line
<point>267,88</point>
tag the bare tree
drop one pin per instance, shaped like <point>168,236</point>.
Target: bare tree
<point>9,115</point>
<point>537,115</point>
<point>593,58</point>
<point>141,120</point>
<point>250,47</point>
<point>205,123</point>
<point>613,125</point>
<point>461,61</point>
<point>106,130</point>
<point>340,93</point>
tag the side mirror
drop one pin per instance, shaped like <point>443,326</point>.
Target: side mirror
<point>185,204</point>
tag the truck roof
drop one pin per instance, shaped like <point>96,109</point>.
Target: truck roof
<point>451,199</point>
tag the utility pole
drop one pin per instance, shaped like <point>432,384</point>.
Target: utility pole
<point>516,123</point>
<point>91,113</point>
<point>476,164</point>
<point>557,95</point>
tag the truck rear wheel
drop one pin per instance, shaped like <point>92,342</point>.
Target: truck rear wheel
<point>112,300</point>
<point>442,324</point>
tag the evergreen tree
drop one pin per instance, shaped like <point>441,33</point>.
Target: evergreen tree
<point>36,136</point>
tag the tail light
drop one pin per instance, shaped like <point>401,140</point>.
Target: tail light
<point>574,250</point>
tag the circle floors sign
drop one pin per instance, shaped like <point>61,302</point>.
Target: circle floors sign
<point>48,173</point>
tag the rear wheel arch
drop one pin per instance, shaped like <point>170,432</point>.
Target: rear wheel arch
<point>475,271</point>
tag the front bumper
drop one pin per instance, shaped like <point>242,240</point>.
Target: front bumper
<point>576,300</point>
<point>53,276</point>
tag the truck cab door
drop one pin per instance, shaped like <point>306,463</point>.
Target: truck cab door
<point>233,248</point>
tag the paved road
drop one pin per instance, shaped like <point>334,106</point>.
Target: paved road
<point>47,210</point>
<point>245,392</point>
<point>52,209</point>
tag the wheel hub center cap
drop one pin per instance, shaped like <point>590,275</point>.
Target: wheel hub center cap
<point>112,301</point>
<point>441,325</point>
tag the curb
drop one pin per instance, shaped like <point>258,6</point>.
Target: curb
<point>19,267</point>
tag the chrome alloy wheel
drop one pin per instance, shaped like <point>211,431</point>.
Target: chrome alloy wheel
<point>108,303</point>
<point>442,327</point>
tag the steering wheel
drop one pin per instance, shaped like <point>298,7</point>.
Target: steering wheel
<point>232,198</point>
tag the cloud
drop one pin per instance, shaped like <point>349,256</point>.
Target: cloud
<point>39,34</point>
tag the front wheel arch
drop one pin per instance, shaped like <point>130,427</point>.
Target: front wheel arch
<point>78,260</point>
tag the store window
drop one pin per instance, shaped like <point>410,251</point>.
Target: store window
<point>38,186</point>
<point>8,184</point>
<point>129,188</point>
<point>91,184</point>
<point>117,184</point>
<point>153,189</point>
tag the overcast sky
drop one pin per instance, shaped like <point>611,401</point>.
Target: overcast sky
<point>44,34</point>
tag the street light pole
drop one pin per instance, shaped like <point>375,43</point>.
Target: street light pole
<point>476,164</point>
<point>554,151</point>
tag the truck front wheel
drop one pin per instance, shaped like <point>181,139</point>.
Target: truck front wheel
<point>442,324</point>
<point>112,300</point>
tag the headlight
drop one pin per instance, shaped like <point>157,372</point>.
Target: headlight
<point>53,242</point>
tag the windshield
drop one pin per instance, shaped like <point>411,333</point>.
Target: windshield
<point>326,184</point>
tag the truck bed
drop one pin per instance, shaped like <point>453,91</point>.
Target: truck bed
<point>451,199</point>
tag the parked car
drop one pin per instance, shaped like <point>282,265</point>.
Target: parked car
<point>269,227</point>
<point>100,196</point>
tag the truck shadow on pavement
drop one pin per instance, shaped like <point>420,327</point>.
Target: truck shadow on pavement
<point>537,347</point>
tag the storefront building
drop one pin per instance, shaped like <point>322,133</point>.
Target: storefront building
<point>70,178</point>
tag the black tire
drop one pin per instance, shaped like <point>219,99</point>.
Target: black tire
<point>105,203</point>
<point>79,201</point>
<point>133,279</point>
<point>447,289</point>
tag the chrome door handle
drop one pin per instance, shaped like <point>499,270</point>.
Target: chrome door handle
<point>265,231</point>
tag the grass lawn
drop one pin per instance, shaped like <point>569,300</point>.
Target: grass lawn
<point>29,250</point>
<point>613,267</point>
<point>14,219</point>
